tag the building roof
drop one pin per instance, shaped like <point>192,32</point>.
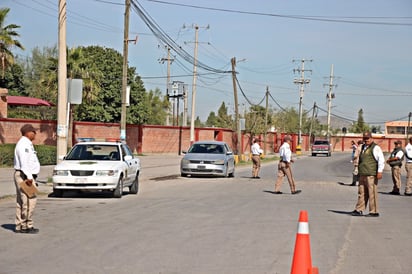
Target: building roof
<point>27,101</point>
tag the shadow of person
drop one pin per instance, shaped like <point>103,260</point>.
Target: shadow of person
<point>8,226</point>
<point>340,212</point>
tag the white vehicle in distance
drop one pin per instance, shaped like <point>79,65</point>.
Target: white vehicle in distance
<point>97,166</point>
<point>208,158</point>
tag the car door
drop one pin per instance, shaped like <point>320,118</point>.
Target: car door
<point>132,164</point>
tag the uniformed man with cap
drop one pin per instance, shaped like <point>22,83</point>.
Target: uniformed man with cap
<point>27,166</point>
<point>408,167</point>
<point>395,161</point>
<point>371,165</point>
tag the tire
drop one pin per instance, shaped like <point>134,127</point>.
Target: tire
<point>232,174</point>
<point>57,192</point>
<point>226,174</point>
<point>313,154</point>
<point>183,174</point>
<point>118,192</point>
<point>134,188</point>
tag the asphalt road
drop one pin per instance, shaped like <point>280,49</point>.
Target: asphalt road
<point>214,225</point>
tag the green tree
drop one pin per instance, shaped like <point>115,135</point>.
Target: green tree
<point>255,120</point>
<point>8,41</point>
<point>212,120</point>
<point>224,120</point>
<point>360,125</point>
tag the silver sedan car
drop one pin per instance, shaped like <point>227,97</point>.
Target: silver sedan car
<point>208,158</point>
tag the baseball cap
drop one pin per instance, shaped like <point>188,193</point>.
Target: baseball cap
<point>27,128</point>
<point>367,135</point>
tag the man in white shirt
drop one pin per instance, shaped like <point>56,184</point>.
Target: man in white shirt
<point>284,167</point>
<point>371,165</point>
<point>256,152</point>
<point>408,167</point>
<point>395,161</point>
<point>26,166</point>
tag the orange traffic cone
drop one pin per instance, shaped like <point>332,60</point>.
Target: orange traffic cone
<point>302,261</point>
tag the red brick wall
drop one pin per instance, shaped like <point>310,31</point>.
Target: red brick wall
<point>153,139</point>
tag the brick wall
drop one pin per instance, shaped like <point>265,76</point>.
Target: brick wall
<point>153,139</point>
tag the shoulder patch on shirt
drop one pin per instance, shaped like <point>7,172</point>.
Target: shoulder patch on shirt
<point>26,150</point>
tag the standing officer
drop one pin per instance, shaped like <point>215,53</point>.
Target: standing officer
<point>371,165</point>
<point>408,167</point>
<point>256,152</point>
<point>395,161</point>
<point>284,167</point>
<point>27,166</point>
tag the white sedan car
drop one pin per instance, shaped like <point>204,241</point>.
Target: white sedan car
<point>97,166</point>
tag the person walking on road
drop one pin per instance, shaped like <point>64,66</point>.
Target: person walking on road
<point>371,165</point>
<point>355,172</point>
<point>408,167</point>
<point>395,161</point>
<point>284,167</point>
<point>256,152</point>
<point>26,166</point>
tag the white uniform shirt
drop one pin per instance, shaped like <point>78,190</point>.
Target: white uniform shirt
<point>378,154</point>
<point>285,153</point>
<point>408,153</point>
<point>25,158</point>
<point>255,149</point>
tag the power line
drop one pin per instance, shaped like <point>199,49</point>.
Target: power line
<point>300,17</point>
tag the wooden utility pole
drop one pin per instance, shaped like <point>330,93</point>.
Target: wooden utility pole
<point>266,119</point>
<point>62,105</point>
<point>237,126</point>
<point>124,76</point>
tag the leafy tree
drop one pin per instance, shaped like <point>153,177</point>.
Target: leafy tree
<point>255,120</point>
<point>8,34</point>
<point>212,120</point>
<point>13,79</point>
<point>224,120</point>
<point>360,125</point>
<point>198,123</point>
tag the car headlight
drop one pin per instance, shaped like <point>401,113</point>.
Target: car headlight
<point>185,162</point>
<point>106,172</point>
<point>219,162</point>
<point>60,172</point>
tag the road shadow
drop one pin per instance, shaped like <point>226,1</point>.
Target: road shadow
<point>8,227</point>
<point>343,184</point>
<point>88,194</point>
<point>340,212</point>
<point>272,192</point>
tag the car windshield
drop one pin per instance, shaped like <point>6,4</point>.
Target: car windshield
<point>207,148</point>
<point>94,152</point>
<point>321,143</point>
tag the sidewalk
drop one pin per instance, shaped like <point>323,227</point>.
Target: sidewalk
<point>152,166</point>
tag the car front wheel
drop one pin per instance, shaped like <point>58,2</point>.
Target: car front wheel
<point>118,192</point>
<point>134,188</point>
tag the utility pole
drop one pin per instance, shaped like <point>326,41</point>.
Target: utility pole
<point>168,82</point>
<point>311,123</point>
<point>62,105</point>
<point>193,114</point>
<point>302,82</point>
<point>237,126</point>
<point>330,96</point>
<point>124,78</point>
<point>266,119</point>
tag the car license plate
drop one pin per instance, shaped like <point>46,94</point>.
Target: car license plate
<point>80,180</point>
<point>201,167</point>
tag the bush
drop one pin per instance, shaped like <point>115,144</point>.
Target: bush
<point>46,154</point>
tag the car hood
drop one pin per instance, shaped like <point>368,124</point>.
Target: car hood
<point>87,165</point>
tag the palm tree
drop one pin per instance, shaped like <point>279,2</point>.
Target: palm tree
<point>7,40</point>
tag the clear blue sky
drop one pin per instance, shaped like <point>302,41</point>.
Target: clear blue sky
<point>369,43</point>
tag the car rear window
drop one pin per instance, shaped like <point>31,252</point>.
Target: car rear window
<point>321,143</point>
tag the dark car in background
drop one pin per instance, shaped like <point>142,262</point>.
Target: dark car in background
<point>208,158</point>
<point>321,147</point>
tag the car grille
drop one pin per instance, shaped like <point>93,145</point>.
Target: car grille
<point>201,162</point>
<point>82,172</point>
